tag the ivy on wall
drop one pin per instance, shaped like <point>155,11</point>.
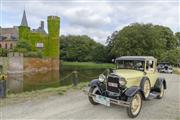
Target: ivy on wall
<point>24,32</point>
<point>53,38</point>
<point>50,40</point>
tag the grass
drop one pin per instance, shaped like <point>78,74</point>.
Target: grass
<point>176,71</point>
<point>88,65</point>
<point>39,94</point>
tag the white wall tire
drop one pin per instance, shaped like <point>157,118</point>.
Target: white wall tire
<point>93,90</point>
<point>135,105</point>
<point>146,88</point>
<point>161,94</point>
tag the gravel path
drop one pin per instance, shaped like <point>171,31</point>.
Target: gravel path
<point>75,105</point>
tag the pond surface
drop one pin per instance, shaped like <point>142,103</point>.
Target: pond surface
<point>33,81</point>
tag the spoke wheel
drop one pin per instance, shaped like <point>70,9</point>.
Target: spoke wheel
<point>135,105</point>
<point>161,92</point>
<point>146,89</point>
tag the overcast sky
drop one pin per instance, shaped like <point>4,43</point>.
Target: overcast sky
<point>92,18</point>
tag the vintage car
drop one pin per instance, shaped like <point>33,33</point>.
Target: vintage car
<point>165,67</point>
<point>134,79</point>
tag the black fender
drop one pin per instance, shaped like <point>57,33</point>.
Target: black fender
<point>132,91</point>
<point>159,82</point>
<point>95,83</point>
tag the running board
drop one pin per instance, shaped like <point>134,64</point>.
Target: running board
<point>153,95</point>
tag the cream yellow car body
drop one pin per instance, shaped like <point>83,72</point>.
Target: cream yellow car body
<point>134,77</point>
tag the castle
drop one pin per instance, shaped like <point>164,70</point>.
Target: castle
<point>48,44</point>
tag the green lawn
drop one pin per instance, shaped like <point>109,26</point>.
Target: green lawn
<point>176,71</point>
<point>88,65</point>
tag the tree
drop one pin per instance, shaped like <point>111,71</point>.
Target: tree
<point>76,48</point>
<point>3,52</point>
<point>141,39</point>
<point>99,54</point>
<point>172,56</point>
<point>178,38</point>
<point>23,46</point>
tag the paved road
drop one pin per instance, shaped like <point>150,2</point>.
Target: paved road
<point>75,105</point>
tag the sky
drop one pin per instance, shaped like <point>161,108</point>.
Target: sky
<point>97,19</point>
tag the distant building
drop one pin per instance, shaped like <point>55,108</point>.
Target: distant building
<point>48,44</point>
<point>8,37</point>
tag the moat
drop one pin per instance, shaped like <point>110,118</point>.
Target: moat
<point>22,82</point>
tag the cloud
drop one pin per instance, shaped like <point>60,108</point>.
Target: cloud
<point>96,19</point>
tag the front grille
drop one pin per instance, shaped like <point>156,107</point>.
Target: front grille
<point>113,84</point>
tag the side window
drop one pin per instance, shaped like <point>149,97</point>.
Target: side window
<point>149,65</point>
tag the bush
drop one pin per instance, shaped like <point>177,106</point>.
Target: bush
<point>37,54</point>
<point>25,47</point>
<point>3,52</point>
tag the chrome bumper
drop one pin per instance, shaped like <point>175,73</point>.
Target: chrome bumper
<point>112,101</point>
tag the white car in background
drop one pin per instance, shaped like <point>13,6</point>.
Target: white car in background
<point>165,69</point>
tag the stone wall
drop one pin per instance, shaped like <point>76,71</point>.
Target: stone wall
<point>16,63</point>
<point>40,64</point>
<point>4,63</point>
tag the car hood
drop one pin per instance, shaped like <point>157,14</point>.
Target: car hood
<point>127,73</point>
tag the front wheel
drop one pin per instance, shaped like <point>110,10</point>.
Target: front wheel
<point>93,90</point>
<point>135,105</point>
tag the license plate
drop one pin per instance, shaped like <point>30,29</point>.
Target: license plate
<point>103,100</point>
<point>112,84</point>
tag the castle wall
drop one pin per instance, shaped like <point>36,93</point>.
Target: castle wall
<point>53,38</point>
<point>4,63</point>
<point>16,63</point>
<point>40,64</point>
<point>35,38</point>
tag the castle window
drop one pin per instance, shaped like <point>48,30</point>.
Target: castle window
<point>39,45</point>
<point>6,45</point>
<point>11,46</point>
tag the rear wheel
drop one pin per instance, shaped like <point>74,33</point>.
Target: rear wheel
<point>135,105</point>
<point>160,96</point>
<point>93,90</point>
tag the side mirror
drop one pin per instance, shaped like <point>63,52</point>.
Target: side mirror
<point>113,60</point>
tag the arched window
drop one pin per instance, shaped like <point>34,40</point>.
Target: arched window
<point>0,46</point>
<point>11,46</point>
<point>6,45</point>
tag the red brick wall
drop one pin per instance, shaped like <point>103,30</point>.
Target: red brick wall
<point>40,64</point>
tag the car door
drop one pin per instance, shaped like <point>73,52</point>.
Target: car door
<point>151,71</point>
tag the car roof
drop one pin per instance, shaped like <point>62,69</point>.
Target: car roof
<point>143,58</point>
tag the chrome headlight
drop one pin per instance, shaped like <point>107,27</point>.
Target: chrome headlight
<point>122,81</point>
<point>102,78</point>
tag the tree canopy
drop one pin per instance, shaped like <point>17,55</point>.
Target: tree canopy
<point>81,48</point>
<point>134,39</point>
<point>142,39</point>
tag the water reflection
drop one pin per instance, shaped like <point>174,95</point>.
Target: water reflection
<point>32,81</point>
<point>15,82</point>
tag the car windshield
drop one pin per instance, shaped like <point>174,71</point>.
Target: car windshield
<point>130,64</point>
